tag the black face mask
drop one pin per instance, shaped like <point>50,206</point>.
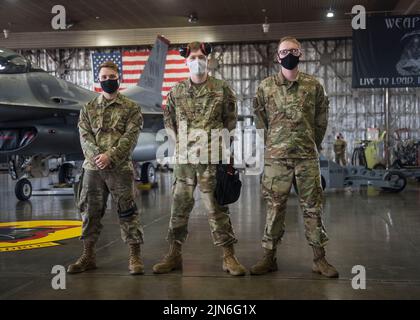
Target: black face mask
<point>289,62</point>
<point>110,86</point>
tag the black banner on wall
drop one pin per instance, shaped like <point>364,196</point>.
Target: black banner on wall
<point>387,53</point>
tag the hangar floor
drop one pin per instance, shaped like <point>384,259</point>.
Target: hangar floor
<point>377,230</point>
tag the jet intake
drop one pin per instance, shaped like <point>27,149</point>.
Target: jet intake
<point>39,139</point>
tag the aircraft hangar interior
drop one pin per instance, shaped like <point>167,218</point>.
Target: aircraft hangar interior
<point>210,150</point>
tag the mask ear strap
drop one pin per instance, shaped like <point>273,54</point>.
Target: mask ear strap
<point>184,52</point>
<point>206,48</point>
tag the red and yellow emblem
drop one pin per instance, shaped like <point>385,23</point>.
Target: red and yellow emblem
<point>25,235</point>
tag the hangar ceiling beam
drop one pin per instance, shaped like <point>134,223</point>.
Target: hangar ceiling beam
<point>405,7</point>
<point>214,34</point>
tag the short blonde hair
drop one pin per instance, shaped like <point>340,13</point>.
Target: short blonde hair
<point>290,39</point>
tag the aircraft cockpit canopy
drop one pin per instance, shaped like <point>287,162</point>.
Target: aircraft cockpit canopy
<point>11,62</point>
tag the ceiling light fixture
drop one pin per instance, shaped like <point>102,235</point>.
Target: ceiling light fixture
<point>330,13</point>
<point>6,31</point>
<point>193,18</point>
<point>265,25</point>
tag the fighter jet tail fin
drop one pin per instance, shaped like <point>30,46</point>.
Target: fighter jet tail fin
<point>153,72</point>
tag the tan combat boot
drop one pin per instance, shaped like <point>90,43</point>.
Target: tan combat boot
<point>321,264</point>
<point>135,265</point>
<point>267,264</point>
<point>172,261</point>
<point>231,263</point>
<point>86,260</point>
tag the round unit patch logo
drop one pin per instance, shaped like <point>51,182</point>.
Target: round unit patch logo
<point>25,235</point>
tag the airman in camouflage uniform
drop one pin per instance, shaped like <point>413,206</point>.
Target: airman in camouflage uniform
<point>340,146</point>
<point>294,115</point>
<point>109,127</point>
<point>202,103</point>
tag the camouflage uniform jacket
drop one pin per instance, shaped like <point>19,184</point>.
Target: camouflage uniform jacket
<point>211,106</point>
<point>293,114</point>
<point>340,146</point>
<point>110,127</point>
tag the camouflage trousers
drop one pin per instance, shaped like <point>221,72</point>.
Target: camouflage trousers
<point>340,159</point>
<point>96,185</point>
<point>186,178</point>
<point>277,182</point>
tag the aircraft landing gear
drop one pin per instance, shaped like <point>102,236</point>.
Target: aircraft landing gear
<point>22,169</point>
<point>65,173</point>
<point>14,163</point>
<point>23,189</point>
<point>148,173</point>
<point>145,173</point>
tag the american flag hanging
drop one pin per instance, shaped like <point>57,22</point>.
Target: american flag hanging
<point>132,65</point>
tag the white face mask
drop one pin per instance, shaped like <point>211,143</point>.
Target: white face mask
<point>197,67</point>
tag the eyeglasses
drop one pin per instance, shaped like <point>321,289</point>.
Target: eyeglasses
<point>285,52</point>
<point>110,77</point>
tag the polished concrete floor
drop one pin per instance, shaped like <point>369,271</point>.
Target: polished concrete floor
<point>380,231</point>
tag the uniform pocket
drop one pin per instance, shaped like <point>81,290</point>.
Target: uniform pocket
<point>121,123</point>
<point>278,178</point>
<point>119,119</point>
<point>307,106</point>
<point>215,106</point>
<point>274,104</point>
<point>78,187</point>
<point>268,177</point>
<point>183,109</point>
<point>121,126</point>
<point>267,182</point>
<point>81,199</point>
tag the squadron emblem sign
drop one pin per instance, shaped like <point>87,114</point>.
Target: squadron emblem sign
<point>25,235</point>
